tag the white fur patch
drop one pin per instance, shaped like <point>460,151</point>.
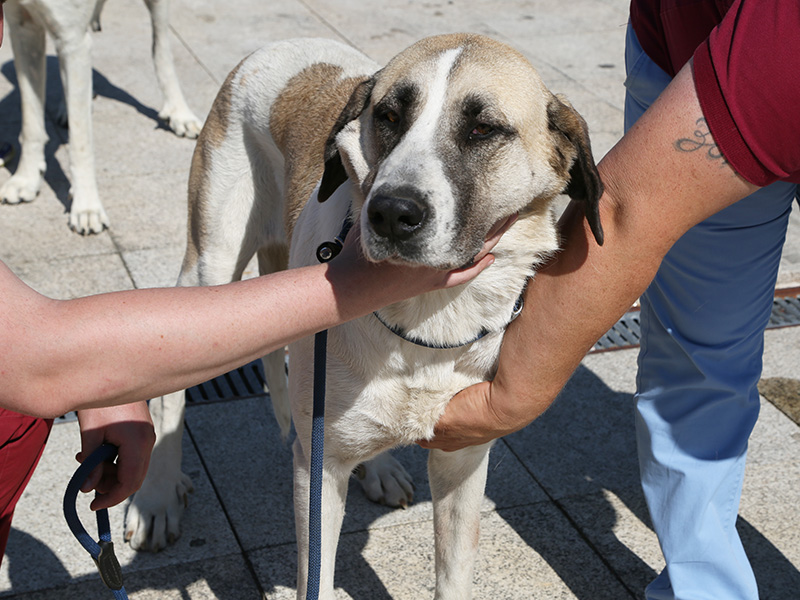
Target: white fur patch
<point>415,160</point>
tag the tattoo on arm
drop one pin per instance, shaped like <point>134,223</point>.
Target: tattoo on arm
<point>701,140</point>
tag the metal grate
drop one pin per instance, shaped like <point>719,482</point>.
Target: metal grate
<point>627,333</point>
<point>785,312</point>
<point>245,382</point>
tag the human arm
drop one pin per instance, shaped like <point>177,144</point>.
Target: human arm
<point>60,355</point>
<point>655,191</point>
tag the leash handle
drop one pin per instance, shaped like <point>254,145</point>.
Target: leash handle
<point>102,551</point>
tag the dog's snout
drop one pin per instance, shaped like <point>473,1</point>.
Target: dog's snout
<point>395,218</point>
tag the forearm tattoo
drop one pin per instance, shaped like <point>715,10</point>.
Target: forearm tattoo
<point>701,140</point>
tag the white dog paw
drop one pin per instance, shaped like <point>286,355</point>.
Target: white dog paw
<point>153,520</point>
<point>385,481</point>
<point>182,122</point>
<point>19,189</point>
<point>87,222</point>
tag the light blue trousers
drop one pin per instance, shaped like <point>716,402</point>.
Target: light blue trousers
<point>703,320</point>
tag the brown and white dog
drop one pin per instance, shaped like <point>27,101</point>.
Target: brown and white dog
<point>453,136</point>
<point>69,24</point>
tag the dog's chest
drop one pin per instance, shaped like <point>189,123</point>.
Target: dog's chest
<point>384,391</point>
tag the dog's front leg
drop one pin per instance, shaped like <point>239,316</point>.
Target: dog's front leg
<point>86,214</point>
<point>176,112</point>
<point>28,42</point>
<point>154,515</point>
<point>334,494</point>
<point>457,483</point>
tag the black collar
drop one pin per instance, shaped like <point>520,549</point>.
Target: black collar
<point>398,331</point>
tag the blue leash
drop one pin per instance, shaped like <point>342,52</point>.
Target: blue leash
<point>327,251</point>
<point>315,486</point>
<point>102,552</point>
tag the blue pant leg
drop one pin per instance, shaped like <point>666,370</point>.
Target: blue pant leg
<point>703,319</point>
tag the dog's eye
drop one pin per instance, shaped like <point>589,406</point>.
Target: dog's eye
<point>391,118</point>
<point>481,130</point>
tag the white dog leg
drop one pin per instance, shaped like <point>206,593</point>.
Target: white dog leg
<point>28,43</point>
<point>176,112</point>
<point>275,373</point>
<point>334,495</point>
<point>458,480</point>
<point>154,514</point>
<point>271,259</point>
<point>86,214</point>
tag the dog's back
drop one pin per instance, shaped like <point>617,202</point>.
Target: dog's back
<point>257,161</point>
<point>275,104</point>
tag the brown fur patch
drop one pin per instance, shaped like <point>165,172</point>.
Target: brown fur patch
<point>301,120</point>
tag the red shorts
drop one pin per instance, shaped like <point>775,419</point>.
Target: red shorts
<point>22,441</point>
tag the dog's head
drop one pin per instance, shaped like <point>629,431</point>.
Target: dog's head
<point>454,135</point>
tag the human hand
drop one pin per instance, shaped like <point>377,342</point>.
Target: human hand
<point>399,282</point>
<point>128,427</point>
<point>471,419</point>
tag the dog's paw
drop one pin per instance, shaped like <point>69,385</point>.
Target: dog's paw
<point>89,221</point>
<point>19,189</point>
<point>153,520</point>
<point>385,481</point>
<point>182,122</point>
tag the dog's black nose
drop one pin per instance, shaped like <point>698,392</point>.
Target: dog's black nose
<point>395,218</point>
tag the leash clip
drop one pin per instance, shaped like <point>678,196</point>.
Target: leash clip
<point>108,565</point>
<point>327,251</point>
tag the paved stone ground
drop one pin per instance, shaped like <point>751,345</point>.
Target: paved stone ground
<point>563,516</point>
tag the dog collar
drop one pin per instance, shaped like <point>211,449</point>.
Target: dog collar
<point>401,333</point>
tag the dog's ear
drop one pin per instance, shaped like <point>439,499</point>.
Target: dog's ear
<point>335,174</point>
<point>572,139</point>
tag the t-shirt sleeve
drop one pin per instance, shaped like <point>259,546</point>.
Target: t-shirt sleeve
<point>747,76</point>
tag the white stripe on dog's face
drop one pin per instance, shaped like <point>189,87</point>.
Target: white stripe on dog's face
<point>415,167</point>
<point>421,133</point>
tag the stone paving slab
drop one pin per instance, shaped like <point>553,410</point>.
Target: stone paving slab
<point>563,515</point>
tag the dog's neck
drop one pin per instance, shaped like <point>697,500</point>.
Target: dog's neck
<point>457,316</point>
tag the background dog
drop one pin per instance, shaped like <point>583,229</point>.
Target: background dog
<point>431,153</point>
<point>69,24</point>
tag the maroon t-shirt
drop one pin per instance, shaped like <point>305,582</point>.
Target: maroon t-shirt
<point>746,71</point>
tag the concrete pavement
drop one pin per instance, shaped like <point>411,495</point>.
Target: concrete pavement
<point>563,516</point>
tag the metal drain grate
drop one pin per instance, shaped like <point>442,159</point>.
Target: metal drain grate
<point>245,382</point>
<point>627,333</point>
<point>785,311</point>
<point>239,384</point>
